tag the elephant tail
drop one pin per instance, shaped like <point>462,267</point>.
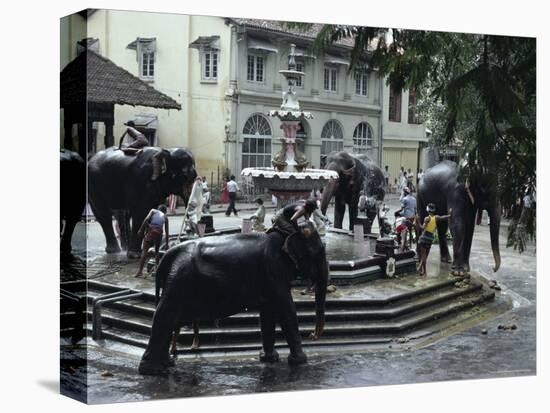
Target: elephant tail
<point>161,274</point>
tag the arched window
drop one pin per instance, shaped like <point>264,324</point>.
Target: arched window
<point>332,139</point>
<point>362,138</point>
<point>256,148</point>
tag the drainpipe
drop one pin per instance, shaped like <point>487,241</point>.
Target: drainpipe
<point>236,102</point>
<point>381,121</point>
<point>107,34</point>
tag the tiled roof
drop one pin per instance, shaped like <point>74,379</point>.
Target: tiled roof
<point>278,26</point>
<point>94,78</point>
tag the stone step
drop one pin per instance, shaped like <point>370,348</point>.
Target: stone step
<point>140,340</point>
<point>338,328</point>
<point>332,314</point>
<point>145,304</point>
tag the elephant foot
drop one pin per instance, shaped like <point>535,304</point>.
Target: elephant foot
<point>112,249</point>
<point>66,255</point>
<point>297,359</point>
<point>446,259</point>
<point>148,368</point>
<point>270,357</point>
<point>133,254</point>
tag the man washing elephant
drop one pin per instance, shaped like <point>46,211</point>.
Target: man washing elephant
<point>153,226</point>
<point>286,219</point>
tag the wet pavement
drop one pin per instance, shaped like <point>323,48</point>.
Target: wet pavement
<point>481,350</point>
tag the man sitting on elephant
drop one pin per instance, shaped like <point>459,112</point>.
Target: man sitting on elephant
<point>139,139</point>
<point>139,142</point>
<point>286,219</point>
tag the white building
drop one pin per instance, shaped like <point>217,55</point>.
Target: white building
<point>225,74</point>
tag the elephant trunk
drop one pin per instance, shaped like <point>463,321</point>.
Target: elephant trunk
<point>494,228</point>
<point>320,298</point>
<point>328,193</point>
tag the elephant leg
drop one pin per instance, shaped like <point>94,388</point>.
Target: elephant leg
<point>289,325</point>
<point>442,227</point>
<point>123,221</point>
<point>174,343</point>
<point>134,246</point>
<point>459,235</point>
<point>468,247</point>
<point>156,357</point>
<point>67,236</point>
<point>195,345</point>
<point>106,223</point>
<point>267,325</point>
<point>339,212</point>
<point>104,216</point>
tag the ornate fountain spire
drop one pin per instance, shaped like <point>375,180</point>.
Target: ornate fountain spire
<point>289,179</point>
<point>290,101</point>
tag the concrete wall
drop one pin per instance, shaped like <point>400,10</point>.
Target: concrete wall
<point>401,140</point>
<point>115,30</point>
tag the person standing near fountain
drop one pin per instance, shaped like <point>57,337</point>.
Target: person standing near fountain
<point>258,217</point>
<point>426,239</point>
<point>232,188</point>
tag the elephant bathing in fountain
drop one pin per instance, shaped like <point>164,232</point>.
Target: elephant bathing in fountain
<point>73,195</point>
<point>440,185</point>
<point>356,173</point>
<point>209,278</point>
<point>123,185</point>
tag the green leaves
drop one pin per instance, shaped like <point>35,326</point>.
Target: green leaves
<point>477,92</point>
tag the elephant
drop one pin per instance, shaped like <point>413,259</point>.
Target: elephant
<point>122,184</point>
<point>72,195</point>
<point>440,185</point>
<point>356,173</point>
<point>212,278</point>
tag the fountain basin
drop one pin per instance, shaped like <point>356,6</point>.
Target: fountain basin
<point>289,181</point>
<point>350,262</point>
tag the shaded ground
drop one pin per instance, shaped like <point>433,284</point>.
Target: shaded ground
<point>467,354</point>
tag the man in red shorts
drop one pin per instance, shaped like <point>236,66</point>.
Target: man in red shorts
<point>152,226</point>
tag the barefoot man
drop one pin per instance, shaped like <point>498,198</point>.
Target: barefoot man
<point>152,226</point>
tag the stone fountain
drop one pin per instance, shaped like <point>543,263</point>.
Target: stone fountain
<point>290,178</point>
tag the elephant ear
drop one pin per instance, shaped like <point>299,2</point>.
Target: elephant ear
<point>294,248</point>
<point>349,171</point>
<point>295,244</point>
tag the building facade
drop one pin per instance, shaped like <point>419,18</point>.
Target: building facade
<point>225,74</point>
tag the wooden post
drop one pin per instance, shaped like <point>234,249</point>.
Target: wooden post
<point>109,138</point>
<point>68,141</point>
<point>82,140</point>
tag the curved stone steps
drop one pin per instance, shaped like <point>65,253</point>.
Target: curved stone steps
<point>363,326</point>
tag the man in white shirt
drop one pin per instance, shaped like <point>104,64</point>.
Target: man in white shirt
<point>232,188</point>
<point>386,177</point>
<point>205,195</point>
<point>419,176</point>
